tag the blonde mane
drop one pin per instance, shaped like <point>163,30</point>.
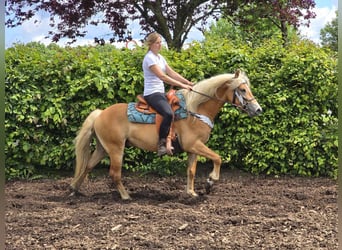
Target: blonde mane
<point>209,87</point>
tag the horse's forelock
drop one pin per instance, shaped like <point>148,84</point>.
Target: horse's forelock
<point>237,81</point>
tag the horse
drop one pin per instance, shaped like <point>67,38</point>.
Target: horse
<point>113,131</point>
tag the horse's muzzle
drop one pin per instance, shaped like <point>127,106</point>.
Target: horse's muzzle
<point>253,109</point>
<point>258,111</point>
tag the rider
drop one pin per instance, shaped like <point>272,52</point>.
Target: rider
<point>156,72</point>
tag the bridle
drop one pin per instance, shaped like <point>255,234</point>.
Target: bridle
<point>237,95</point>
<point>243,100</point>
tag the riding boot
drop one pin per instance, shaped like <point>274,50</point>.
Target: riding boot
<point>162,147</point>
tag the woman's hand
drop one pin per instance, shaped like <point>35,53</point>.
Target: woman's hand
<point>187,86</point>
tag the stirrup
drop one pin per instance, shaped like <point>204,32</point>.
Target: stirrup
<point>163,149</point>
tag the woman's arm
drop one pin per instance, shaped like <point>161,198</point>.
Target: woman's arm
<point>173,74</point>
<point>174,79</point>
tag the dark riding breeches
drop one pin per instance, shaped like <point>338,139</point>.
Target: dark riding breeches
<point>159,102</point>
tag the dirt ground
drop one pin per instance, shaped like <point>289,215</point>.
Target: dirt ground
<point>242,211</point>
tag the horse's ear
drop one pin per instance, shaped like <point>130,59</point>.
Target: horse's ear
<point>237,73</point>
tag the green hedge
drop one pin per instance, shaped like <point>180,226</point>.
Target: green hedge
<point>50,90</point>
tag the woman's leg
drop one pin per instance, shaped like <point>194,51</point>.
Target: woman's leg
<point>159,102</point>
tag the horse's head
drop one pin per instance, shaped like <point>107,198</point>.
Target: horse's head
<point>241,96</point>
<point>224,88</point>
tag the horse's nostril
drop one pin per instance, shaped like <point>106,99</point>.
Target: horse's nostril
<point>258,111</point>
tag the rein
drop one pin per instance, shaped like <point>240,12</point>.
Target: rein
<point>210,97</point>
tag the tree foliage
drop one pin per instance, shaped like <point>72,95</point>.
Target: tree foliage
<point>329,34</point>
<point>261,17</point>
<point>172,19</point>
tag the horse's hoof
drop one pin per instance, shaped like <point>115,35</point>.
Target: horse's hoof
<point>75,193</point>
<point>126,198</point>
<point>192,194</point>
<point>72,194</point>
<point>209,184</point>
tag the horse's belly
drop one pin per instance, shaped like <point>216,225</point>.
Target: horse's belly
<point>143,136</point>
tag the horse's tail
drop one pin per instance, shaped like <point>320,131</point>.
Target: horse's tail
<point>82,144</point>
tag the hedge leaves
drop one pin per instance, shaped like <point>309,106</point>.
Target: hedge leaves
<point>50,90</point>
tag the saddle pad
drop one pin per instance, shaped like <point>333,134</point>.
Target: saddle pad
<point>139,117</point>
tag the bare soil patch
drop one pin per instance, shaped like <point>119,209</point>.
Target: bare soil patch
<point>242,211</point>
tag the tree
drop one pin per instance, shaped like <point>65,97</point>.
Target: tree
<point>263,15</point>
<point>329,34</point>
<point>173,19</point>
<point>253,35</point>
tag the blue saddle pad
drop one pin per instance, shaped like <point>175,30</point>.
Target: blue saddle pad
<point>139,117</point>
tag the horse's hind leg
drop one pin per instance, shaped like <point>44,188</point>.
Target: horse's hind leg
<point>115,172</point>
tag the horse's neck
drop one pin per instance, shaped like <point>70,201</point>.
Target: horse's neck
<point>210,108</point>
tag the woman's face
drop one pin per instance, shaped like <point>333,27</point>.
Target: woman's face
<point>156,46</point>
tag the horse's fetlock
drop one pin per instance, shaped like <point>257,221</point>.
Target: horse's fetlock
<point>192,193</point>
<point>214,176</point>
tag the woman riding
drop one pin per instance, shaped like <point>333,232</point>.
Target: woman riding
<point>156,72</point>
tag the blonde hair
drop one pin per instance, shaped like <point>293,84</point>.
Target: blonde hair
<point>151,39</point>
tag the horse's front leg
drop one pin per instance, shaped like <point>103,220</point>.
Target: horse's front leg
<point>201,149</point>
<point>215,174</point>
<point>191,172</point>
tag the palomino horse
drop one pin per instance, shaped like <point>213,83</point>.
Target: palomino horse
<point>113,131</point>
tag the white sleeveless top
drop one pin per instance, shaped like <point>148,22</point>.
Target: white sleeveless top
<point>152,83</point>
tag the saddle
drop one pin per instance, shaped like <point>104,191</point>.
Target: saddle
<point>173,100</point>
